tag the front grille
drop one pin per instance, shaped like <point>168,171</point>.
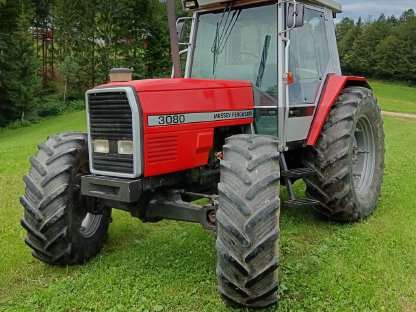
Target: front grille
<point>110,119</point>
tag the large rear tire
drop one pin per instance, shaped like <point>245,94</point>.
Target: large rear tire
<point>349,158</point>
<point>63,227</point>
<point>248,221</point>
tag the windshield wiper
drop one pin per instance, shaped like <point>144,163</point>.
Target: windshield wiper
<point>263,61</point>
<point>221,40</point>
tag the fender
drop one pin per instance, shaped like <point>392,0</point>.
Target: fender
<point>333,87</point>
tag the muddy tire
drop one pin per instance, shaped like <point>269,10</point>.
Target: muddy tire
<point>349,158</point>
<point>248,221</point>
<point>63,227</point>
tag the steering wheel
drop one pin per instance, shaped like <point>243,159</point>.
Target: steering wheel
<point>251,54</point>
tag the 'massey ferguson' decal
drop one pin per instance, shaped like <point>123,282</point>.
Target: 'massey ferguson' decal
<point>176,119</point>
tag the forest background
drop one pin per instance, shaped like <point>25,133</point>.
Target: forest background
<point>51,51</point>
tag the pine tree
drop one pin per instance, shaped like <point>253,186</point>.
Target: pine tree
<point>157,57</point>
<point>19,83</point>
<point>21,68</point>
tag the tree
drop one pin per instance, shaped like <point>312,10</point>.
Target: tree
<point>407,14</point>
<point>69,69</point>
<point>346,32</point>
<point>384,48</point>
<point>19,83</point>
<point>156,57</point>
<point>397,53</point>
<point>75,37</point>
<point>20,70</point>
<point>347,46</point>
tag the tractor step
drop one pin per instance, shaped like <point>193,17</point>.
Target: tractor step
<point>298,173</point>
<point>301,202</point>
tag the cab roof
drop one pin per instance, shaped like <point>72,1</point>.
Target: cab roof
<point>208,4</point>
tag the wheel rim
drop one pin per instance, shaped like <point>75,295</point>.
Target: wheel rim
<point>363,156</point>
<point>87,223</point>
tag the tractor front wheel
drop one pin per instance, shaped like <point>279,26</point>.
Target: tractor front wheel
<point>248,221</point>
<point>63,226</point>
<point>349,158</point>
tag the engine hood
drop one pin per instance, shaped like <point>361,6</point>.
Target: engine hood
<point>177,118</point>
<point>186,95</point>
<point>179,84</point>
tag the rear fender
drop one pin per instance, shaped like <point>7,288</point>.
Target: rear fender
<point>333,87</point>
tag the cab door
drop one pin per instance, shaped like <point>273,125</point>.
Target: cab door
<point>310,63</point>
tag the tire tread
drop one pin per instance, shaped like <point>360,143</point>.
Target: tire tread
<point>249,207</point>
<point>331,157</point>
<point>46,218</point>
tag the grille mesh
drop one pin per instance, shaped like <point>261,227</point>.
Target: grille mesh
<point>111,119</point>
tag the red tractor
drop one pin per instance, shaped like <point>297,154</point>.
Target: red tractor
<point>262,102</point>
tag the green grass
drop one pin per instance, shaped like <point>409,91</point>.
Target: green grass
<point>395,97</point>
<point>170,266</point>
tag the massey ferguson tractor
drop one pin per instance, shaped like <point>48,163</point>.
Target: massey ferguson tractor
<point>262,102</point>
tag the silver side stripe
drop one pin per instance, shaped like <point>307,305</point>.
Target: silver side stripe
<point>176,119</point>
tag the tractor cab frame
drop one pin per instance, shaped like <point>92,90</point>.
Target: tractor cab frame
<point>286,49</point>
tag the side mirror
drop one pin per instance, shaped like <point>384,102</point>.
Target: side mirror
<point>180,29</point>
<point>295,15</point>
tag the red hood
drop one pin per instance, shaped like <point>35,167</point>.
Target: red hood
<point>178,84</point>
<point>175,144</point>
<point>175,96</point>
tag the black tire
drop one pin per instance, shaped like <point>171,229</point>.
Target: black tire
<point>349,158</point>
<point>54,209</point>
<point>248,221</point>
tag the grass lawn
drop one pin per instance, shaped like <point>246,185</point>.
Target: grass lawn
<point>395,97</point>
<point>170,266</point>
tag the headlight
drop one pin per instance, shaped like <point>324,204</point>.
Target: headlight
<point>125,147</point>
<point>101,146</point>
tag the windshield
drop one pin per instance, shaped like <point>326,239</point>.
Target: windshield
<point>238,44</point>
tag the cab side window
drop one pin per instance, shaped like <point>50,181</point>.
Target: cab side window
<point>308,58</point>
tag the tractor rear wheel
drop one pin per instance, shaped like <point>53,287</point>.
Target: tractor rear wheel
<point>63,226</point>
<point>349,158</point>
<point>248,221</point>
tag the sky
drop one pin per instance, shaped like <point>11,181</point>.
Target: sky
<point>373,8</point>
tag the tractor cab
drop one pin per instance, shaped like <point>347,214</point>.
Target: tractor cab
<point>260,41</point>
